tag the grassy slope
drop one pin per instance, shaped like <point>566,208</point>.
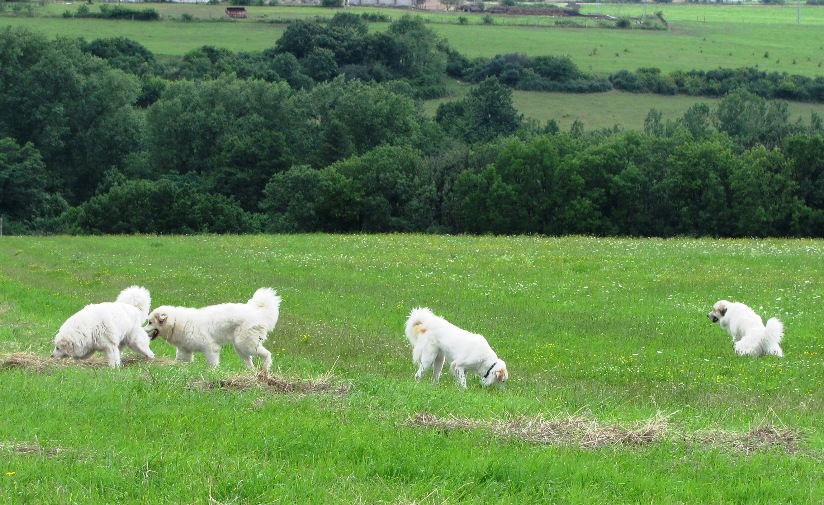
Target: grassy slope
<point>613,330</point>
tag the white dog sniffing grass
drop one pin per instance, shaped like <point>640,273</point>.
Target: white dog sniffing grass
<point>434,340</point>
<point>208,329</point>
<point>107,327</point>
<point>749,334</point>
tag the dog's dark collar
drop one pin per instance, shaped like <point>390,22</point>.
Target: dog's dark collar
<point>490,369</point>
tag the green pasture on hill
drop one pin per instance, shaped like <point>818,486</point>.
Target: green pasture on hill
<point>610,109</point>
<point>620,390</point>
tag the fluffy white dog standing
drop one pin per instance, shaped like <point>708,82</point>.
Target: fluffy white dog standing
<point>750,335</point>
<point>434,340</point>
<point>206,330</point>
<point>107,327</point>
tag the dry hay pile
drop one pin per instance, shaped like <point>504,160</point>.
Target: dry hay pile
<point>39,363</point>
<point>273,383</point>
<point>589,433</point>
<point>757,439</point>
<point>572,430</point>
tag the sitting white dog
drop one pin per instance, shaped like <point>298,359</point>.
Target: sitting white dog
<point>206,330</point>
<point>749,334</point>
<point>434,339</point>
<point>107,327</point>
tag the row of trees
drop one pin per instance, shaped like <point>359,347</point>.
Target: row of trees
<point>82,150</point>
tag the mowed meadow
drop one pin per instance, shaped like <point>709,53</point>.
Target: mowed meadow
<point>620,390</point>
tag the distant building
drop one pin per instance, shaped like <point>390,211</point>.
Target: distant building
<point>236,12</point>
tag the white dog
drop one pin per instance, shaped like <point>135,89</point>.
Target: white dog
<point>107,327</point>
<point>206,330</point>
<point>749,334</point>
<point>434,339</point>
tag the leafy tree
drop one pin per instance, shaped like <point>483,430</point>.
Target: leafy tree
<point>350,118</point>
<point>26,192</point>
<point>487,112</point>
<point>764,201</point>
<point>75,109</point>
<point>806,154</point>
<point>692,189</point>
<point>124,54</point>
<point>303,199</point>
<point>320,64</point>
<point>196,124</point>
<point>751,120</point>
<point>390,179</point>
<point>142,206</point>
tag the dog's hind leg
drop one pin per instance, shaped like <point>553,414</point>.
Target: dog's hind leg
<point>182,355</point>
<point>427,356</point>
<point>437,366</point>
<point>113,356</point>
<point>265,357</point>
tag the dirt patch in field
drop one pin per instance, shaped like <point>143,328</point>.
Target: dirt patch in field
<point>40,364</point>
<point>586,432</point>
<point>274,383</point>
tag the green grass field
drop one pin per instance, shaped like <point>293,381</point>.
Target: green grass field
<point>606,110</point>
<point>702,37</point>
<point>620,390</point>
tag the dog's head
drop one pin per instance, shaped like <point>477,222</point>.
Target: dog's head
<point>718,311</point>
<point>63,347</point>
<point>496,373</point>
<point>158,320</point>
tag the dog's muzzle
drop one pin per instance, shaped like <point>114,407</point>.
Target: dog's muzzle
<point>153,334</point>
<point>712,317</point>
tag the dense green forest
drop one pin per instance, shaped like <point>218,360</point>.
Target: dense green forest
<point>325,132</point>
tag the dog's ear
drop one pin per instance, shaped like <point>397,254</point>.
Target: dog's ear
<point>723,311</point>
<point>502,375</point>
<point>161,318</point>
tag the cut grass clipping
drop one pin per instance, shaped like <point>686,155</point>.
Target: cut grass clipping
<point>39,363</point>
<point>586,432</point>
<point>273,383</point>
<point>31,449</point>
<point>263,380</point>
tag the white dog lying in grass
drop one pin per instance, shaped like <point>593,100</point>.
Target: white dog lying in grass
<point>749,334</point>
<point>206,330</point>
<point>107,327</point>
<point>434,339</point>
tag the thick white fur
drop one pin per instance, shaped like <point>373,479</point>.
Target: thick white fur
<point>749,334</point>
<point>434,340</point>
<point>107,327</point>
<point>206,330</point>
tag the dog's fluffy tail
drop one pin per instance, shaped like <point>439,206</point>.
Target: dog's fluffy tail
<point>760,343</point>
<point>773,333</point>
<point>268,302</point>
<point>137,296</point>
<point>416,325</point>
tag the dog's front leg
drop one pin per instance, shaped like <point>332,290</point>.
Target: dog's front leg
<point>212,356</point>
<point>459,373</point>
